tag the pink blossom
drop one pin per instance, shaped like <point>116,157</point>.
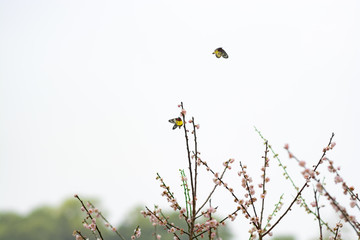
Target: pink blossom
<point>286,146</point>
<point>92,226</point>
<point>138,233</point>
<point>158,237</point>
<point>197,126</point>
<point>302,163</point>
<point>211,210</point>
<point>78,237</point>
<point>183,112</point>
<point>172,230</point>
<point>82,209</point>
<point>190,121</point>
<point>211,223</point>
<point>313,204</point>
<point>352,204</point>
<point>338,179</point>
<point>319,187</point>
<point>232,217</point>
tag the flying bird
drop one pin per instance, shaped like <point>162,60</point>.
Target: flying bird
<point>177,122</point>
<point>219,52</point>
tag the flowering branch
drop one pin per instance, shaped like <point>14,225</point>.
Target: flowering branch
<point>107,223</point>
<point>306,184</point>
<point>318,213</point>
<point>193,191</point>
<point>93,225</point>
<point>266,164</point>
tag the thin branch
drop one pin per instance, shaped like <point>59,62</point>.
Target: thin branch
<point>264,191</point>
<point>166,224</point>
<point>231,191</point>
<point>79,233</point>
<point>298,194</point>
<point>192,223</point>
<point>83,205</point>
<point>318,213</point>
<point>250,195</point>
<point>102,216</point>
<point>211,193</point>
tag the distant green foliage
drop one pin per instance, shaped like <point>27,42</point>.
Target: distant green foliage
<point>42,224</point>
<point>284,238</point>
<point>58,223</point>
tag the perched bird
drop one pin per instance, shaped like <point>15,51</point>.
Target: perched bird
<point>177,122</point>
<point>219,52</point>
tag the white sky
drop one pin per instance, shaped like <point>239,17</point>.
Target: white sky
<point>87,88</point>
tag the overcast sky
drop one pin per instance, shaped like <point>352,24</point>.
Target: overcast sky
<point>87,88</point>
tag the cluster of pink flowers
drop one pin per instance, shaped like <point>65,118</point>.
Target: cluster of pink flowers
<point>330,147</point>
<point>246,184</point>
<point>91,226</point>
<point>77,235</point>
<point>208,213</point>
<point>308,174</point>
<point>336,230</point>
<point>155,217</point>
<point>170,198</point>
<point>137,234</point>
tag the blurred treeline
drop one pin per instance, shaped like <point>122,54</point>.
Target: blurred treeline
<point>58,223</point>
